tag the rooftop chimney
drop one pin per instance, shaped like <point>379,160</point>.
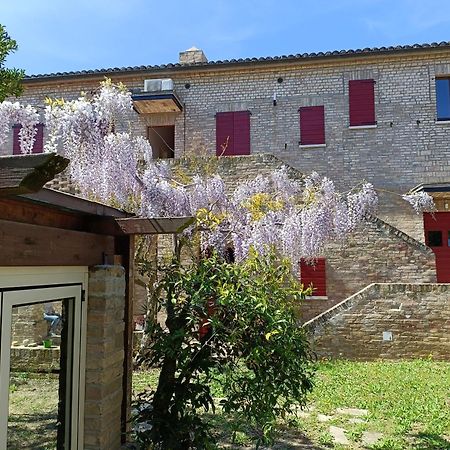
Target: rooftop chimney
<point>192,55</point>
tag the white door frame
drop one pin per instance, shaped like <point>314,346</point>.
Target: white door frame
<point>20,286</point>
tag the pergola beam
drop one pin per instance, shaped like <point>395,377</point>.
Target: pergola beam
<point>155,225</point>
<point>24,174</point>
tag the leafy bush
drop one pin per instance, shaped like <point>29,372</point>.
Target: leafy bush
<point>231,322</point>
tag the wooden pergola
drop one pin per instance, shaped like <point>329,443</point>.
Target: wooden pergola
<point>45,227</point>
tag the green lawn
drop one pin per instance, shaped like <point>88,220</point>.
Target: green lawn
<point>407,402</point>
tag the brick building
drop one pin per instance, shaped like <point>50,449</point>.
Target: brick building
<point>381,115</point>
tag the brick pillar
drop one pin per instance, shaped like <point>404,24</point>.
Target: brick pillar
<point>104,358</point>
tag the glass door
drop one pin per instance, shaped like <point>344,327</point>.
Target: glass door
<point>40,367</point>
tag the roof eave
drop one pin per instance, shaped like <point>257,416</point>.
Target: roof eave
<point>214,65</point>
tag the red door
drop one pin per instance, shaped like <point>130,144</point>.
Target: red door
<point>437,237</point>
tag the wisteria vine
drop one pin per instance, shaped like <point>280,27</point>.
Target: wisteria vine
<point>297,217</point>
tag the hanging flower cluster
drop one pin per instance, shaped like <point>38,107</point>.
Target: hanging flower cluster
<point>297,217</point>
<point>420,201</point>
<point>13,113</point>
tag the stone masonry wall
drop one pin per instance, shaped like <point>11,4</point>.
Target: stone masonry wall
<point>407,147</point>
<point>386,321</point>
<point>28,324</point>
<point>375,253</point>
<point>104,358</point>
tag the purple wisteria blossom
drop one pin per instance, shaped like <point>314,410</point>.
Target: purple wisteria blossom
<point>420,201</point>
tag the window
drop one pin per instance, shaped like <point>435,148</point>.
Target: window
<point>162,141</point>
<point>314,273</point>
<point>362,102</point>
<point>443,98</point>
<point>38,146</point>
<point>233,133</point>
<point>435,238</point>
<point>312,125</point>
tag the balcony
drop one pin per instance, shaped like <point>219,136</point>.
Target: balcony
<point>158,96</point>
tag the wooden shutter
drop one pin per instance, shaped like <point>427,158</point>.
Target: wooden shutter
<point>314,273</point>
<point>38,146</point>
<point>16,144</point>
<point>233,133</point>
<point>241,133</point>
<point>312,125</point>
<point>362,102</point>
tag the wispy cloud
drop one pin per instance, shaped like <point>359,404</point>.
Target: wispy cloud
<point>406,18</point>
<point>58,35</point>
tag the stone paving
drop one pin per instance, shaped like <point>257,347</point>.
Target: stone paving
<point>338,434</point>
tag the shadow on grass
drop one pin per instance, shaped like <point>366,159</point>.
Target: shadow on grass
<point>32,431</point>
<point>294,440</point>
<point>429,441</point>
<point>232,433</point>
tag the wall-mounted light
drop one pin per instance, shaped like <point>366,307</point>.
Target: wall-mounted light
<point>418,122</point>
<point>274,99</point>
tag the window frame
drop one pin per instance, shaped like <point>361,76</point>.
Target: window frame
<point>355,87</point>
<point>447,100</point>
<point>310,131</point>
<point>238,136</point>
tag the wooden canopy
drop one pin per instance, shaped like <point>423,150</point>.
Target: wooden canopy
<point>155,225</point>
<point>22,174</point>
<point>161,102</point>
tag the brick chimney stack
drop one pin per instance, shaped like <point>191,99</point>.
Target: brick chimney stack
<point>192,55</point>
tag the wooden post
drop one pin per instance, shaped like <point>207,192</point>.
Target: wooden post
<point>124,245</point>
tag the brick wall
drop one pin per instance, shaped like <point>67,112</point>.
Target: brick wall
<point>375,253</point>
<point>28,324</point>
<point>104,358</point>
<point>407,139</point>
<point>415,316</point>
<point>404,95</point>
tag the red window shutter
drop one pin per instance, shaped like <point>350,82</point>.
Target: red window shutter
<point>233,133</point>
<point>312,125</point>
<point>362,102</point>
<point>224,133</point>
<point>241,133</point>
<point>38,146</point>
<point>314,273</point>
<point>16,144</point>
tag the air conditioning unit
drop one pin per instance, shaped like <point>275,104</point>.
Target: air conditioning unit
<point>157,85</point>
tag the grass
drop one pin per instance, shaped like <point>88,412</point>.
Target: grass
<point>408,402</point>
<point>33,411</point>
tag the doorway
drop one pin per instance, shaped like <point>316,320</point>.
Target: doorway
<point>42,361</point>
<point>437,237</point>
<point>162,141</point>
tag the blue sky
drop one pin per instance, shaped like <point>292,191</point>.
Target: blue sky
<point>65,35</point>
